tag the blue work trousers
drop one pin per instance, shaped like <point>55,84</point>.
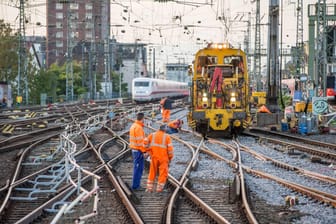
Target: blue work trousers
<point>138,166</point>
<point>171,130</point>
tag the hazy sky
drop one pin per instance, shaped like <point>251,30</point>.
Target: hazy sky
<point>165,23</point>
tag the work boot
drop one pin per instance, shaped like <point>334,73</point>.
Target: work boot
<point>149,190</point>
<point>159,188</point>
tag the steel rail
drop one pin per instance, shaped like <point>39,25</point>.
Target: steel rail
<point>313,193</point>
<point>247,209</point>
<point>14,183</point>
<point>29,218</point>
<point>309,141</point>
<point>235,157</point>
<point>205,207</point>
<point>6,145</point>
<point>114,180</point>
<point>180,185</point>
<point>312,151</point>
<point>17,171</point>
<point>302,171</point>
<point>63,191</point>
<point>26,178</point>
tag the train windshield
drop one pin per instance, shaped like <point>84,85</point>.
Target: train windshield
<point>233,60</point>
<point>226,70</point>
<point>204,61</point>
<point>141,84</point>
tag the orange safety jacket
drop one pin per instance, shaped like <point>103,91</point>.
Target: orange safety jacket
<point>137,136</point>
<point>174,124</point>
<point>160,146</point>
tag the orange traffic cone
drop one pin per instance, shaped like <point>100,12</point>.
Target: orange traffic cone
<point>264,109</point>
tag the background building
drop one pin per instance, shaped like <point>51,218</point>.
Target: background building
<point>131,62</point>
<point>177,72</point>
<point>77,26</point>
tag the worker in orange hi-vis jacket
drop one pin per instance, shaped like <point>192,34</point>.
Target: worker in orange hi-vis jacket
<point>174,126</point>
<point>166,105</point>
<point>137,137</point>
<point>161,150</point>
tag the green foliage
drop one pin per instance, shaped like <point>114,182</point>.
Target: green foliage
<point>8,53</point>
<point>9,63</point>
<point>53,82</point>
<point>77,79</point>
<point>44,81</point>
<point>287,99</point>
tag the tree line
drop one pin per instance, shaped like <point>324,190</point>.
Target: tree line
<point>50,81</point>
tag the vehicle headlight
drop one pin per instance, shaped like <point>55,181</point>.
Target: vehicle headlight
<point>205,100</point>
<point>233,100</point>
<point>205,97</point>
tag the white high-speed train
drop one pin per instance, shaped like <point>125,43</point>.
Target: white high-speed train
<point>148,89</point>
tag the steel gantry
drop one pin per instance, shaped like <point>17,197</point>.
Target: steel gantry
<point>22,61</point>
<point>273,57</point>
<point>322,19</point>
<point>299,56</point>
<point>257,48</point>
<point>247,41</point>
<point>247,37</point>
<point>69,65</point>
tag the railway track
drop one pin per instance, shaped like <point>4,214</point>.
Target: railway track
<point>156,203</point>
<point>30,192</point>
<point>323,149</point>
<point>206,182</point>
<point>294,177</point>
<point>38,180</point>
<point>298,166</point>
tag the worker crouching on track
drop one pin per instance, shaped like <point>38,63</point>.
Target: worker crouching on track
<point>161,151</point>
<point>137,136</point>
<point>174,126</point>
<point>166,106</point>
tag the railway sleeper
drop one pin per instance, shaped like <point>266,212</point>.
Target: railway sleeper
<point>37,160</point>
<point>316,159</point>
<point>23,198</point>
<point>283,165</point>
<point>30,115</point>
<point>8,130</point>
<point>53,180</point>
<point>40,125</point>
<point>30,195</point>
<point>44,183</point>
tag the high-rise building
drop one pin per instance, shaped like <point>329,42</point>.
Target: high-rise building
<point>76,28</point>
